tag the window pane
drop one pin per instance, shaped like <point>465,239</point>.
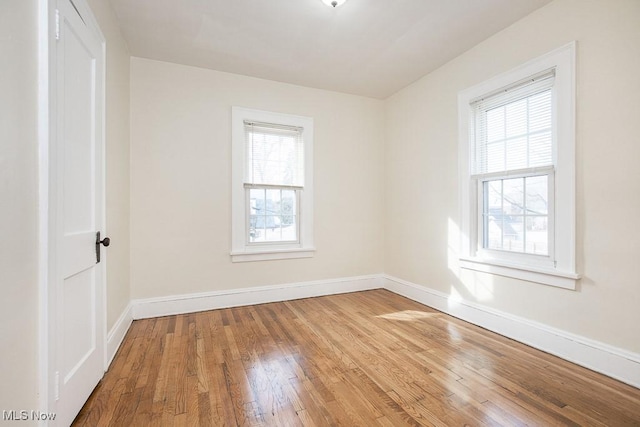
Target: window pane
<point>287,220</point>
<point>493,215</point>
<point>537,195</point>
<point>273,215</point>
<point>513,233</point>
<point>273,233</point>
<point>495,195</point>
<point>256,228</point>
<point>515,215</point>
<point>537,235</point>
<point>256,201</point>
<point>513,196</point>
<point>288,206</point>
<point>273,202</point>
<point>289,228</point>
<point>493,224</point>
<point>288,217</point>
<point>256,215</point>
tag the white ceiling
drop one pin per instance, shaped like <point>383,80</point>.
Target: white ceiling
<point>365,47</point>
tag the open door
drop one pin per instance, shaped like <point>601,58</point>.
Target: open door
<point>76,305</point>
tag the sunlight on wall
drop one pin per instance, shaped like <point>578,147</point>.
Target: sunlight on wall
<point>478,286</point>
<point>453,247</point>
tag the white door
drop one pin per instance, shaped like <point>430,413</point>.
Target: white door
<point>78,197</point>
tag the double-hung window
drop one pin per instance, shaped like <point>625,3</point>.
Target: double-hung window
<point>518,173</point>
<point>512,162</point>
<point>272,185</point>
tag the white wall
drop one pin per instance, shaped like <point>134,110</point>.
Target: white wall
<point>181,171</point>
<point>18,205</point>
<point>422,180</point>
<point>117,160</point>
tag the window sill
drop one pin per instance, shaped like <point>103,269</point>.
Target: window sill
<point>266,255</point>
<point>560,279</point>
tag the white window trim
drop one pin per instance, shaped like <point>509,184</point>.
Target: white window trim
<point>241,250</point>
<point>561,272</point>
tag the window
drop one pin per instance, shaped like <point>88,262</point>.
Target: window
<point>518,172</point>
<point>274,178</point>
<point>272,194</point>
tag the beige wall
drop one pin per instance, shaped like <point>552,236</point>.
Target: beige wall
<point>117,160</point>
<point>422,181</point>
<point>18,205</point>
<point>181,171</point>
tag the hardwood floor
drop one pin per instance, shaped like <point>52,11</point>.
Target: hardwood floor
<point>366,358</point>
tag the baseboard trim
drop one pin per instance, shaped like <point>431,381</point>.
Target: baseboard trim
<point>190,303</point>
<point>117,333</point>
<point>597,356</point>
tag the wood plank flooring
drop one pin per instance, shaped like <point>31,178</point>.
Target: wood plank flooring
<point>361,359</point>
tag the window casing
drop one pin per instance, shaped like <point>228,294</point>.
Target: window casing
<point>517,172</point>
<point>272,185</point>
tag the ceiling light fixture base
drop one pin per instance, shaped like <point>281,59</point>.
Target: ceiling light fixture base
<point>333,3</point>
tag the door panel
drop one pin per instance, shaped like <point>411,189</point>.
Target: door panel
<point>79,335</point>
<point>79,124</point>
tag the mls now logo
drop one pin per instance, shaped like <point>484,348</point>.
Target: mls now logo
<point>25,415</point>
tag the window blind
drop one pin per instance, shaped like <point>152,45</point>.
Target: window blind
<point>513,127</point>
<point>274,155</point>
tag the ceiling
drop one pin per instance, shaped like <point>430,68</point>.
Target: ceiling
<point>365,47</point>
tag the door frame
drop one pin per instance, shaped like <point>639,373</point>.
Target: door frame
<point>47,193</point>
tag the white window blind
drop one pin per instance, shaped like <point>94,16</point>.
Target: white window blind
<point>513,127</point>
<point>274,155</point>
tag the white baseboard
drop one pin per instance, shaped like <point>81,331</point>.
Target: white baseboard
<point>117,333</point>
<point>189,303</point>
<point>600,357</point>
<point>597,356</point>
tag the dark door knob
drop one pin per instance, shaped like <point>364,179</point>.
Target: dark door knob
<point>106,242</point>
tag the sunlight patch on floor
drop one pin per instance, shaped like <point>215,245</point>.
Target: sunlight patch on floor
<point>408,315</point>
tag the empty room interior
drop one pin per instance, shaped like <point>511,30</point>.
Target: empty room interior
<point>317,212</point>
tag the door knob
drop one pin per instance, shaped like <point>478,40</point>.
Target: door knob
<point>106,242</point>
